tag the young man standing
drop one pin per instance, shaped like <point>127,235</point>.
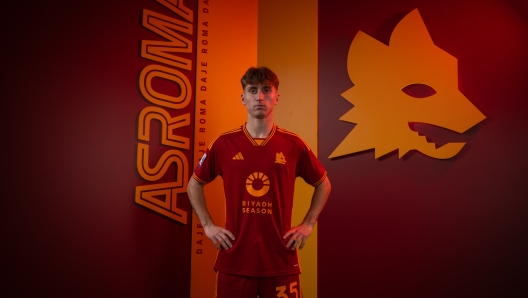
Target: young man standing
<point>259,163</point>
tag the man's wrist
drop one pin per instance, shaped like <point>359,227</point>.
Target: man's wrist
<point>310,223</point>
<point>208,224</point>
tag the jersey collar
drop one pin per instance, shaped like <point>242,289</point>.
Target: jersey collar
<point>265,141</point>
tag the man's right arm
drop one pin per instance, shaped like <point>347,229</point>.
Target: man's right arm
<point>219,235</point>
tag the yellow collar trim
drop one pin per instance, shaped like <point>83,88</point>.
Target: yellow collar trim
<point>263,143</point>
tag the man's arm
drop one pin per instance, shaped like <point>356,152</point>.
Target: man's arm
<point>219,235</point>
<point>300,233</point>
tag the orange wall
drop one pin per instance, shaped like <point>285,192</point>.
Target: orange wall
<point>222,59</point>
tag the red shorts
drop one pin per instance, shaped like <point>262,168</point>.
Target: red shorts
<point>237,286</point>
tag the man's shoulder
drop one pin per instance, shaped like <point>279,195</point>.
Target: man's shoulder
<point>226,135</point>
<point>292,137</point>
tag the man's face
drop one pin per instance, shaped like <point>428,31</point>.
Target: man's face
<point>260,100</point>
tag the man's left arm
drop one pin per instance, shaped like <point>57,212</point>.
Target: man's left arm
<point>300,233</point>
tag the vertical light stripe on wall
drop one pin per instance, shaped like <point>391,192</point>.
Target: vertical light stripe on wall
<point>287,43</point>
<point>224,52</point>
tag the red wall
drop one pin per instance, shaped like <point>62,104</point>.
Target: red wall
<point>70,104</point>
<point>422,227</point>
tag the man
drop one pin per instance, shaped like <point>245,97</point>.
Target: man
<point>259,163</point>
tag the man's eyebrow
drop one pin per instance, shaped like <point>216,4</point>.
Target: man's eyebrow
<point>251,87</point>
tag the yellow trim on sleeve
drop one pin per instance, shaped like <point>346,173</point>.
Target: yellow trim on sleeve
<point>199,180</point>
<point>320,180</point>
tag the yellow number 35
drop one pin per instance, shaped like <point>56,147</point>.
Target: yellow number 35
<point>282,290</point>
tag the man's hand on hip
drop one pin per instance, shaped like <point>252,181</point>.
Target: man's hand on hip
<point>298,234</point>
<point>219,236</point>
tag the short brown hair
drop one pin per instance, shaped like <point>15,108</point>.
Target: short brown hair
<point>259,75</point>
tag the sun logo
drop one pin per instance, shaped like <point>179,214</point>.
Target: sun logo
<point>279,158</point>
<point>382,107</point>
<point>257,184</point>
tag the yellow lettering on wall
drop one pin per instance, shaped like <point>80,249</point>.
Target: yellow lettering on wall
<point>168,125</point>
<point>162,198</point>
<point>169,157</point>
<point>178,8</point>
<point>161,50</point>
<point>157,71</point>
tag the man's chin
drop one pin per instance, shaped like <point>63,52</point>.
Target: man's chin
<point>260,115</point>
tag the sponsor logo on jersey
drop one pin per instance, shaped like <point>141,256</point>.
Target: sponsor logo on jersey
<point>238,156</point>
<point>257,207</point>
<point>257,184</point>
<point>280,159</point>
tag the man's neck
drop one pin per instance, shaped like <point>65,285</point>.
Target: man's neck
<point>259,128</point>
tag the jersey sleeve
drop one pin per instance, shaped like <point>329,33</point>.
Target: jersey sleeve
<point>208,167</point>
<point>309,167</point>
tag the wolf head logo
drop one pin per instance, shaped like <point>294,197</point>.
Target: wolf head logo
<point>383,111</point>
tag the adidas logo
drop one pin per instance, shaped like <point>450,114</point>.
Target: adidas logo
<point>238,156</point>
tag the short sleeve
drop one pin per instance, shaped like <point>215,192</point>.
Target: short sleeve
<point>309,167</point>
<point>208,167</point>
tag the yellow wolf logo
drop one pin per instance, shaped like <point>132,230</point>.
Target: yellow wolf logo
<point>382,111</point>
<point>279,158</point>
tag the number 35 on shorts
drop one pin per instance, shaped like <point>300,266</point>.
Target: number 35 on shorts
<point>282,291</point>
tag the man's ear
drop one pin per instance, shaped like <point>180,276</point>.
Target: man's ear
<point>278,95</point>
<point>242,97</point>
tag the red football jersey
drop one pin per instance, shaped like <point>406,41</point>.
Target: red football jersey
<point>259,180</point>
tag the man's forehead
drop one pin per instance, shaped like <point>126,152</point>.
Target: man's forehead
<point>259,85</point>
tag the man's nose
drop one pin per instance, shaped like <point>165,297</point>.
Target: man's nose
<point>261,95</point>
